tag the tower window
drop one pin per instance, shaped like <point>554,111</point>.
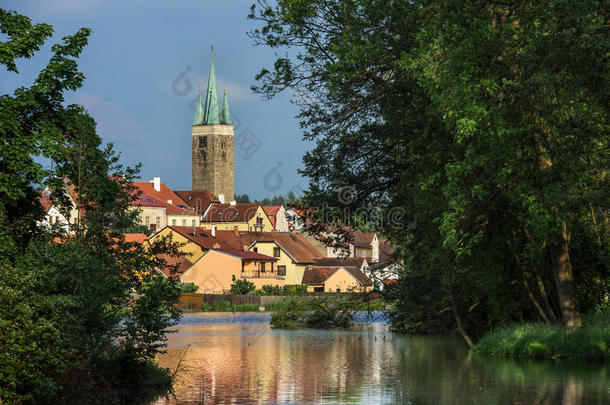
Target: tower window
<point>203,142</point>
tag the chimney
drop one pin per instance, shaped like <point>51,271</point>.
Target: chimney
<point>213,230</point>
<point>221,198</point>
<point>233,202</point>
<point>157,184</point>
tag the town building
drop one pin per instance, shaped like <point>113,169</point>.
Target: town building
<point>237,216</point>
<point>213,144</point>
<point>156,196</point>
<point>214,271</point>
<point>277,216</point>
<point>336,279</point>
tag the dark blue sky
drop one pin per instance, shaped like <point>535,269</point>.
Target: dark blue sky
<point>142,66</point>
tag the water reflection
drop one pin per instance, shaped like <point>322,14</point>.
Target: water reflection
<point>238,359</point>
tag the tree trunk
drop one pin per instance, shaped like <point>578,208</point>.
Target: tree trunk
<point>458,318</point>
<point>564,280</point>
<point>559,251</point>
<point>545,298</point>
<point>534,301</point>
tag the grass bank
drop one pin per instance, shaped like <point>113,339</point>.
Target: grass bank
<point>591,342</point>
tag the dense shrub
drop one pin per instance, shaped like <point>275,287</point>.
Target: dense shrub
<point>534,340</point>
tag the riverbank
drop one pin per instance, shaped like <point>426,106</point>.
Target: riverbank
<point>591,342</point>
<point>307,302</point>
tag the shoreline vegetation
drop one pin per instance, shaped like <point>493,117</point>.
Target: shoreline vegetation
<point>293,303</point>
<point>544,341</point>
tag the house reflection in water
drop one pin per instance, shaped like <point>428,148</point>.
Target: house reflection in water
<point>251,363</point>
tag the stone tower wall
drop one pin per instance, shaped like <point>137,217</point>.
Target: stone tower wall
<point>213,160</point>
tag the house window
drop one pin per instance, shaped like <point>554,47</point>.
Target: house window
<point>184,222</point>
<point>203,142</point>
<point>318,289</point>
<point>255,250</point>
<point>259,221</point>
<point>146,221</point>
<point>158,222</point>
<point>276,252</point>
<point>263,267</point>
<point>173,222</point>
<point>338,290</point>
<point>281,270</point>
<point>193,222</point>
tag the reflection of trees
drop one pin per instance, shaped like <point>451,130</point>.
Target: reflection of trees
<point>434,371</point>
<point>258,365</point>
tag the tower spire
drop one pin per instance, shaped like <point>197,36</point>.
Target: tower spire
<point>226,114</point>
<point>211,114</point>
<point>198,120</point>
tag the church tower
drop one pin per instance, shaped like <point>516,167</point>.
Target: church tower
<point>212,135</point>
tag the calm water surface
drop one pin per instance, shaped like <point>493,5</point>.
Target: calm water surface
<point>238,359</point>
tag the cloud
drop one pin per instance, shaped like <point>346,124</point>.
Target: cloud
<point>235,92</point>
<point>185,84</point>
<point>114,124</point>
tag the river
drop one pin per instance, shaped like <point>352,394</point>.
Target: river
<point>237,358</point>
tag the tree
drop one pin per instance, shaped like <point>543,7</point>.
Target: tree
<point>242,287</point>
<point>81,316</point>
<point>485,123</point>
<point>242,198</point>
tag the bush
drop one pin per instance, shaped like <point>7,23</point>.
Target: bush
<point>188,288</point>
<point>245,307</point>
<point>592,341</point>
<point>289,290</point>
<point>321,313</point>
<point>241,287</point>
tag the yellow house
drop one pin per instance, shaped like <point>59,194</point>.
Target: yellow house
<point>336,279</point>
<point>213,272</point>
<point>240,217</point>
<point>294,253</point>
<point>194,244</point>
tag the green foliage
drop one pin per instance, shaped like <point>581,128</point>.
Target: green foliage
<point>188,288</point>
<point>82,320</point>
<point>591,342</point>
<point>319,312</point>
<point>225,306</point>
<point>242,287</point>
<point>274,290</point>
<point>245,308</point>
<point>242,198</point>
<point>471,134</point>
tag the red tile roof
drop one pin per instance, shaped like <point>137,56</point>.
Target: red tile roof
<point>179,263</point>
<point>241,212</point>
<point>201,237</point>
<point>319,275</point>
<point>136,237</point>
<point>245,254</point>
<point>363,239</point>
<point>339,262</point>
<point>199,200</point>
<point>164,196</point>
<point>45,202</point>
<point>271,211</point>
<point>299,248</point>
<point>145,200</point>
<point>385,250</point>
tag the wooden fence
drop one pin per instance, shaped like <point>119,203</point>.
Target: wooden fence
<point>197,300</point>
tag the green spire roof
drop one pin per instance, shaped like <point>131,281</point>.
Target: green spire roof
<point>226,114</point>
<point>198,120</point>
<point>211,114</point>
